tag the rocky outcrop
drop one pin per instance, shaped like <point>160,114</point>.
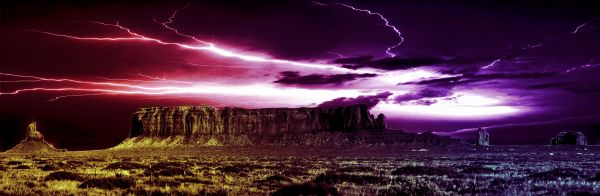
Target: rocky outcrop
<point>209,126</point>
<point>33,143</point>
<point>205,120</point>
<point>570,138</point>
<point>482,137</point>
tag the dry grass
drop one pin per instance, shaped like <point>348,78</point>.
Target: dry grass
<point>227,171</point>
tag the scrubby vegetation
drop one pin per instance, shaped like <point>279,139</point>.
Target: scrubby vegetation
<point>49,167</point>
<point>108,183</point>
<point>307,189</point>
<point>125,165</point>
<point>556,174</point>
<point>64,175</point>
<point>22,167</point>
<point>413,187</point>
<point>336,178</point>
<point>422,170</point>
<point>245,171</point>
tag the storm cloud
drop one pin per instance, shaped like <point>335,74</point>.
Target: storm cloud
<point>294,78</point>
<point>369,101</point>
<point>388,64</point>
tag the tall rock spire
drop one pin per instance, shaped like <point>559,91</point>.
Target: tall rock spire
<point>483,137</point>
<point>33,133</point>
<point>33,142</point>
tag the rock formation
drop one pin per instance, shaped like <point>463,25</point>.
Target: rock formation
<point>210,126</point>
<point>206,120</point>
<point>33,143</point>
<point>482,137</point>
<point>569,137</point>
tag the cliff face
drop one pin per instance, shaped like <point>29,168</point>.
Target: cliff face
<point>192,121</point>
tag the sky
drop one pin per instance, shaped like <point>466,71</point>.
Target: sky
<point>525,70</point>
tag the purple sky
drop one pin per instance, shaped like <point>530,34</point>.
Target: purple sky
<point>525,69</point>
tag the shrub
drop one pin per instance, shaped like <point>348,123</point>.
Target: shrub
<point>194,180</point>
<point>167,169</point>
<point>125,166</point>
<point>173,172</point>
<point>356,169</point>
<point>422,170</point>
<point>108,183</point>
<point>498,185</point>
<point>477,170</point>
<point>556,173</point>
<point>165,165</point>
<point>163,183</point>
<point>14,163</point>
<point>274,180</point>
<point>22,167</point>
<point>64,175</point>
<point>307,189</point>
<point>333,178</point>
<point>413,186</point>
<point>236,169</point>
<point>70,164</point>
<point>2,168</point>
<point>295,171</point>
<point>41,161</point>
<point>96,160</point>
<point>240,168</point>
<point>596,178</point>
<point>49,167</point>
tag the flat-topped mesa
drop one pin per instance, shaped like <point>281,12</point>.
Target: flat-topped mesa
<point>207,120</point>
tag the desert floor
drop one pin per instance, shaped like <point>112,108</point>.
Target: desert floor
<point>375,170</point>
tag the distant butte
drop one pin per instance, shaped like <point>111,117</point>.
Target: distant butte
<point>33,143</point>
<point>570,138</point>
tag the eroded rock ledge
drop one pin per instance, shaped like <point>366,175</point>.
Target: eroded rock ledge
<point>207,120</point>
<point>211,126</point>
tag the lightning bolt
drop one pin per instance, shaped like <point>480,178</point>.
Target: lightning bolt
<point>171,19</point>
<point>581,67</point>
<point>79,95</point>
<point>580,27</point>
<point>493,63</point>
<point>381,17</point>
<point>173,87</point>
<point>147,86</point>
<point>337,54</point>
<point>577,30</point>
<point>209,47</point>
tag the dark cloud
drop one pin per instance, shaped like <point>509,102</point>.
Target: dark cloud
<point>424,93</point>
<point>548,85</point>
<point>353,60</point>
<point>294,78</point>
<point>391,63</point>
<point>471,78</point>
<point>442,87</point>
<point>369,101</point>
<point>583,89</point>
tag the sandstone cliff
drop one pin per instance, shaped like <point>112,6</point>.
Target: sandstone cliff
<point>210,126</point>
<point>206,120</point>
